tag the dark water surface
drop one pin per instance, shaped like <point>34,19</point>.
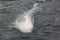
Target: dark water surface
<point>46,24</point>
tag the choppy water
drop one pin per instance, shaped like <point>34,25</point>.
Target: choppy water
<point>46,24</point>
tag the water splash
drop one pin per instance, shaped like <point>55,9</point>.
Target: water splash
<point>25,22</point>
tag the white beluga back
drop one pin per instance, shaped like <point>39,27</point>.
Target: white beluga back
<point>24,22</point>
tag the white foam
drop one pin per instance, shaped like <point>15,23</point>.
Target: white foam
<point>27,25</point>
